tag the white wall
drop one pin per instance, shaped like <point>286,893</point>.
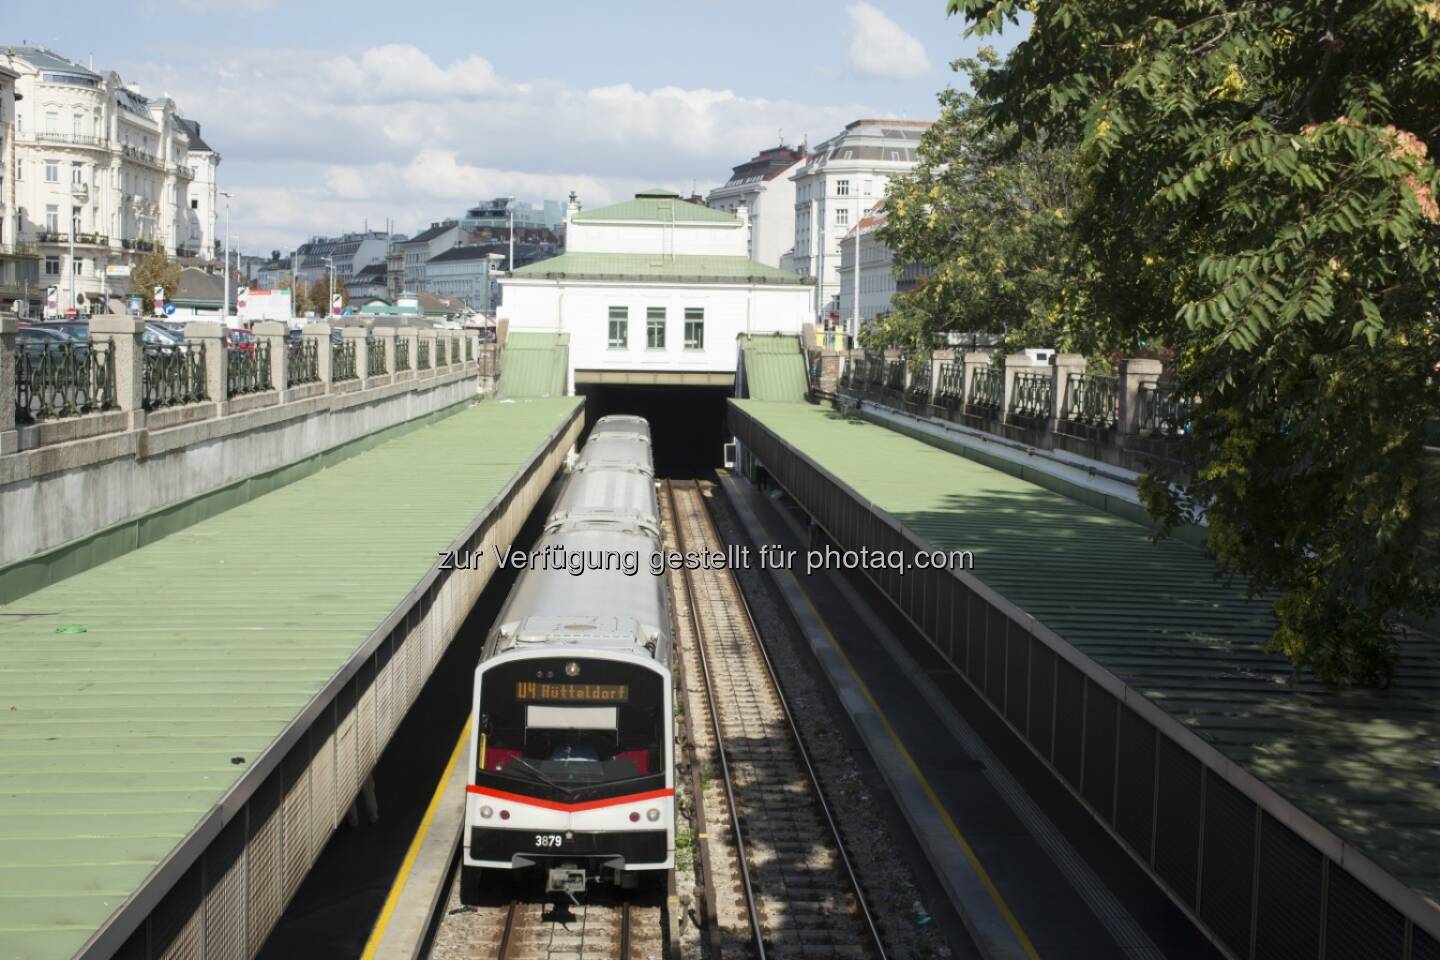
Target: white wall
<point>583,311</point>
<point>686,238</point>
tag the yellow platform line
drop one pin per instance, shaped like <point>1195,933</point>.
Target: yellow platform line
<point>925,787</point>
<point>398,886</point>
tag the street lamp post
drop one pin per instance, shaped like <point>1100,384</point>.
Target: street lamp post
<point>225,304</point>
<point>330,308</point>
<point>491,260</point>
<point>510,263</point>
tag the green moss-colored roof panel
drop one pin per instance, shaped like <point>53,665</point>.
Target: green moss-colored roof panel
<point>533,365</point>
<point>201,647</point>
<point>774,368</point>
<point>1154,614</point>
<point>684,268</point>
<point>656,205</point>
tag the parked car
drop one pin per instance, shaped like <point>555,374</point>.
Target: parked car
<point>41,336</point>
<point>239,340</point>
<point>74,329</point>
<point>159,336</point>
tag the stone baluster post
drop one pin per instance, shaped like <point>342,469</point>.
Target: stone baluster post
<point>324,356</point>
<point>361,338</point>
<point>1015,363</point>
<point>273,332</point>
<point>385,340</point>
<point>9,436</point>
<point>938,359</point>
<point>209,335</point>
<point>1065,364</point>
<point>1133,373</point>
<point>126,337</point>
<point>412,334</point>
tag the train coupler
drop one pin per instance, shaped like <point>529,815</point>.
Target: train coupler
<point>566,880</point>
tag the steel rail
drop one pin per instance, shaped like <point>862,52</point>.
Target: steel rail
<point>855,888</point>
<point>756,927</point>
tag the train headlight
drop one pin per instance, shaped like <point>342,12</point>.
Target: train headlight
<point>572,669</point>
<point>652,814</point>
<point>634,816</point>
<point>504,814</point>
<point>486,813</point>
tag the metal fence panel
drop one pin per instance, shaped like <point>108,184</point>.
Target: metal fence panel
<point>263,862</point>
<point>1042,698</point>
<point>1017,673</point>
<point>225,902</point>
<point>1069,730</point>
<point>1290,895</point>
<point>1358,924</point>
<point>1135,783</point>
<point>177,927</point>
<point>1177,820</point>
<point>1099,773</point>
<point>1228,864</point>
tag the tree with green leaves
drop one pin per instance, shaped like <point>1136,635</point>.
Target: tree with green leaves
<point>154,270</point>
<point>1261,194</point>
<point>993,227</point>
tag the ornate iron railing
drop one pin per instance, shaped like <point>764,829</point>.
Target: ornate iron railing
<point>1164,411</point>
<point>173,375</point>
<point>874,371</point>
<point>402,354</point>
<point>1092,400</point>
<point>951,388</point>
<point>921,373</point>
<point>342,362</point>
<point>55,380</point>
<point>302,362</point>
<point>374,358</point>
<point>423,355</point>
<point>442,352</point>
<point>1033,395</point>
<point>987,387</point>
<point>247,368</point>
<point>894,374</point>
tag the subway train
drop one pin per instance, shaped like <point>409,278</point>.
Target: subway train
<point>572,773</point>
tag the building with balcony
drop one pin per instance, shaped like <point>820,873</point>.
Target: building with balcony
<point>763,186</point>
<point>654,291</point>
<point>840,180</point>
<point>200,213</point>
<point>496,216</point>
<point>102,175</point>
<point>19,266</point>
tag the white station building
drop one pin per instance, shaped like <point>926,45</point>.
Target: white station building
<point>655,291</point>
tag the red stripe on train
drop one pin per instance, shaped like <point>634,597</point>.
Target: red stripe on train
<point>570,807</point>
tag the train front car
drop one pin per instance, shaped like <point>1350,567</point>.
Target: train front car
<point>571,763</point>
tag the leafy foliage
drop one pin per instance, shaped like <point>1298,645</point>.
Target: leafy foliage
<point>154,270</point>
<point>1261,195</point>
<point>993,227</point>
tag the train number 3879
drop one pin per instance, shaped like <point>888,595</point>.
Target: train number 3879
<point>548,840</point>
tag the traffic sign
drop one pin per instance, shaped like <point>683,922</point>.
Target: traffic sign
<point>118,270</point>
<point>169,309</point>
<point>345,312</point>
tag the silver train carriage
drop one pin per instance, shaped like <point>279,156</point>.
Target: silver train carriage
<point>572,771</point>
<point>621,423</point>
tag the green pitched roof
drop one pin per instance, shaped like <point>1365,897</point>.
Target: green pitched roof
<point>533,365</point>
<point>658,205</point>
<point>774,368</point>
<point>647,266</point>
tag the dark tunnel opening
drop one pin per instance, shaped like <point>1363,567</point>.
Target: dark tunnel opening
<point>687,424</point>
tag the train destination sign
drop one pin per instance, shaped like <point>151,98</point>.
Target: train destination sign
<point>572,692</point>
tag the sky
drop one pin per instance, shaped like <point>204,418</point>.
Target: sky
<point>331,116</point>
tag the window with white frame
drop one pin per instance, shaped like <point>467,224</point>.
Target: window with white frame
<point>842,188</point>
<point>77,174</point>
<point>78,266</point>
<point>869,187</point>
<point>694,328</point>
<point>52,266</point>
<point>619,328</point>
<point>654,328</point>
<point>52,171</point>
<point>52,217</point>
<point>842,217</point>
<point>52,121</point>
<point>19,169</point>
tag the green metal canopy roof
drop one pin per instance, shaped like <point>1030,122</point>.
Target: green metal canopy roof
<point>661,206</point>
<point>774,368</point>
<point>1360,762</point>
<point>645,266</point>
<point>127,690</point>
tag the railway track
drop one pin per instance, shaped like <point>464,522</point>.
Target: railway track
<point>601,927</point>
<point>772,857</point>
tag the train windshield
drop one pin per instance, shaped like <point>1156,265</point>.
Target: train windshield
<point>571,730</point>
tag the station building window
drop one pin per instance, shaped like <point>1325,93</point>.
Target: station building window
<point>655,328</point>
<point>619,328</point>
<point>694,328</point>
<point>52,266</point>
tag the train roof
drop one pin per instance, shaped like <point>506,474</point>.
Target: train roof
<point>608,493</point>
<point>621,423</point>
<point>620,449</point>
<point>603,608</point>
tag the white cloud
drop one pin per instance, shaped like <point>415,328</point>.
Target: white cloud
<point>880,49</point>
<point>317,143</point>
